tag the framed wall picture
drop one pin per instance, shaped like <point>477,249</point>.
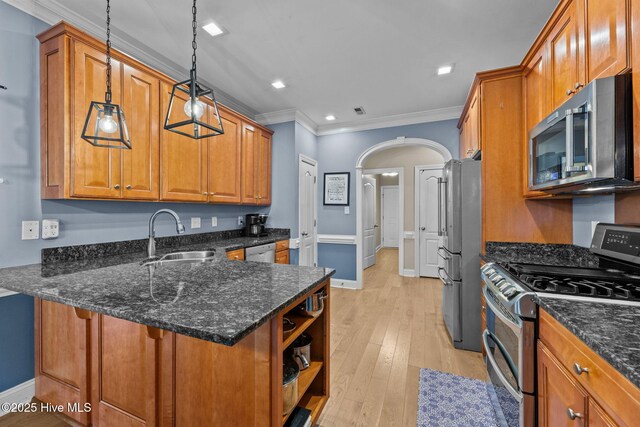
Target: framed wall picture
<point>336,188</point>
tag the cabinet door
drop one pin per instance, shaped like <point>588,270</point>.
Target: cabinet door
<point>282,257</point>
<point>598,417</point>
<point>464,137</point>
<point>474,125</point>
<point>558,394</point>
<point>605,37</point>
<point>225,161</point>
<point>183,160</point>
<point>61,356</point>
<point>140,165</point>
<point>263,167</point>
<point>95,171</point>
<point>126,364</point>
<point>565,65</point>
<point>249,159</point>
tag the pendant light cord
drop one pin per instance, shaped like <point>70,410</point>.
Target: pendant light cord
<point>108,94</point>
<point>194,44</point>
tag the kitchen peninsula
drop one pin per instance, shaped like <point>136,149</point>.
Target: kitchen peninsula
<point>184,343</point>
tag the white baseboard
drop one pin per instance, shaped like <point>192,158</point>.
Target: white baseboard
<point>378,248</point>
<point>21,393</point>
<point>409,273</point>
<point>345,284</point>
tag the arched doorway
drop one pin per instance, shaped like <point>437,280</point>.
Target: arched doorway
<point>360,167</point>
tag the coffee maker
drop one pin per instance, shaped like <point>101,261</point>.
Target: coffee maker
<point>254,225</point>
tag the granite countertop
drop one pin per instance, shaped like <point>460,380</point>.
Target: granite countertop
<point>219,300</point>
<point>610,330</point>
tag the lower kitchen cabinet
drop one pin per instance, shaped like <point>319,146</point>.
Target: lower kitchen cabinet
<point>136,375</point>
<point>237,255</point>
<point>282,252</point>
<point>575,382</point>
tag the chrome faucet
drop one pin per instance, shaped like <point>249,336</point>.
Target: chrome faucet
<point>151,249</point>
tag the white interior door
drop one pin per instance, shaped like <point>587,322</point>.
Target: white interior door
<point>428,222</point>
<point>308,235</point>
<point>390,216</point>
<point>369,223</point>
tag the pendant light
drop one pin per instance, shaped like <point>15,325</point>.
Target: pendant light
<point>105,125</point>
<point>187,94</point>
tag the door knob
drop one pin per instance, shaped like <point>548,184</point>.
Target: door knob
<point>128,187</point>
<point>117,186</point>
<point>423,228</point>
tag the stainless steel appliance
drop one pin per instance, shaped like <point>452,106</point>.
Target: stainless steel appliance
<point>460,228</point>
<point>510,292</point>
<point>254,225</point>
<point>262,253</point>
<point>586,145</point>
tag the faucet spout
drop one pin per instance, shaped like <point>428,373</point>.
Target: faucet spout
<point>151,248</point>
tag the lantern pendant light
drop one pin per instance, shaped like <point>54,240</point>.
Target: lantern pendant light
<point>105,125</point>
<point>185,112</point>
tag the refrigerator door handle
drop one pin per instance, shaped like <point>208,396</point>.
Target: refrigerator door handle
<point>440,232</point>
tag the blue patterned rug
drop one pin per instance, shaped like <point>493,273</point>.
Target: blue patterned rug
<point>447,400</point>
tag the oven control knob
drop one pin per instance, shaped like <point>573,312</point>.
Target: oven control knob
<point>511,292</point>
<point>497,278</point>
<point>503,284</point>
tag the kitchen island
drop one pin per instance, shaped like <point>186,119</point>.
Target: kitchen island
<point>196,343</point>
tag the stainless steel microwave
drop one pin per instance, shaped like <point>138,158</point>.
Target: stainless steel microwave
<point>586,145</point>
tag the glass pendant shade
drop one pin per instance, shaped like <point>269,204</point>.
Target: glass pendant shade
<point>187,114</point>
<point>105,126</point>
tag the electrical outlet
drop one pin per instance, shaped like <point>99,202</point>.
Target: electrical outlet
<point>346,210</point>
<point>240,221</point>
<point>195,222</point>
<point>30,230</point>
<point>214,221</point>
<point>50,228</point>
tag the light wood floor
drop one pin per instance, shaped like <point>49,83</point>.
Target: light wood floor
<point>380,338</point>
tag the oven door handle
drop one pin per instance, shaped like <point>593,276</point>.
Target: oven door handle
<point>491,359</point>
<point>517,328</point>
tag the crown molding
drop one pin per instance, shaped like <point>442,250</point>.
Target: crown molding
<point>392,121</point>
<point>53,11</point>
<point>292,114</point>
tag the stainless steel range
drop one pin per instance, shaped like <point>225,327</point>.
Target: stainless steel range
<point>511,292</point>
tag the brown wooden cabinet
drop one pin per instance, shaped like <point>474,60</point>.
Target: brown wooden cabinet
<point>282,252</point>
<point>225,161</point>
<point>606,37</point>
<point>237,255</point>
<point>470,127</point>
<point>601,394</point>
<point>162,165</point>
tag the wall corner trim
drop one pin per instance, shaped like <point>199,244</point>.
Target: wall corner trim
<point>409,235</point>
<point>22,393</point>
<point>409,273</point>
<point>337,239</point>
<point>344,284</point>
<point>6,293</point>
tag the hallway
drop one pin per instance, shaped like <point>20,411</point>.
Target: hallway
<point>380,338</point>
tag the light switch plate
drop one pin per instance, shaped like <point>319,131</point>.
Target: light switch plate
<point>214,221</point>
<point>30,230</point>
<point>195,222</point>
<point>346,210</point>
<point>240,221</point>
<point>50,228</point>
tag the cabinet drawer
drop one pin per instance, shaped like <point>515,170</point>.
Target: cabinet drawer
<point>282,245</point>
<point>282,257</point>
<point>237,255</point>
<point>615,393</point>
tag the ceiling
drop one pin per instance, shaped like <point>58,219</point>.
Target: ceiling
<point>332,54</point>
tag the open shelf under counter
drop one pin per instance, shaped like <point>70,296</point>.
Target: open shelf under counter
<point>302,323</point>
<point>304,382</point>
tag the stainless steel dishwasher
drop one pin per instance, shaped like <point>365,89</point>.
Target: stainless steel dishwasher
<point>262,253</point>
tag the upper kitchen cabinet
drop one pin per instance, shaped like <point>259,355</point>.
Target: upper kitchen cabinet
<point>140,165</point>
<point>161,165</point>
<point>605,37</point>
<point>566,70</point>
<point>470,126</point>
<point>183,160</point>
<point>225,160</point>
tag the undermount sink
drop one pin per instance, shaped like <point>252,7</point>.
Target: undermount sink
<point>182,257</point>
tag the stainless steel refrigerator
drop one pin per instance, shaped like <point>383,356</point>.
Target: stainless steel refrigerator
<point>460,231</point>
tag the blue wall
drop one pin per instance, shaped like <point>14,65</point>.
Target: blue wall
<point>16,340</point>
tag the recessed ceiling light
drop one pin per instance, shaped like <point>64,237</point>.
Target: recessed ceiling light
<point>213,29</point>
<point>330,117</point>
<point>445,69</point>
<point>278,84</point>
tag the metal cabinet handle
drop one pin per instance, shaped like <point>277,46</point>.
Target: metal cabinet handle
<point>578,85</point>
<point>470,150</point>
<point>236,257</point>
<point>570,92</point>
<point>128,187</point>
<point>573,414</point>
<point>205,194</point>
<point>117,186</point>
<point>579,369</point>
